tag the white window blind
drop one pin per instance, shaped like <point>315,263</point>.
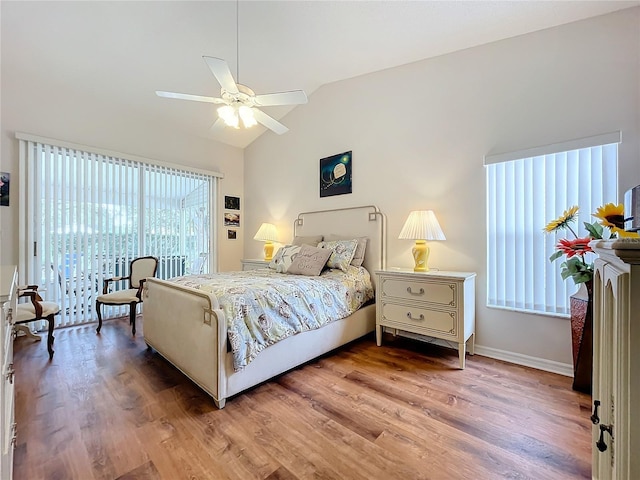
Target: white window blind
<point>525,194</point>
<point>88,214</point>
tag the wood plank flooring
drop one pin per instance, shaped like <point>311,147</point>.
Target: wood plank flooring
<point>107,408</point>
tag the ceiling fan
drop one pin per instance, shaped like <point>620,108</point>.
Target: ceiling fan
<point>240,103</point>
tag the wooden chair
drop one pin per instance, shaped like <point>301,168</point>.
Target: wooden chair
<point>37,309</point>
<point>139,269</point>
<point>198,265</point>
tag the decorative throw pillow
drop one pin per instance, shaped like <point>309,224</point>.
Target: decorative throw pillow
<point>284,258</point>
<point>310,240</point>
<point>358,257</point>
<point>309,261</point>
<point>342,252</point>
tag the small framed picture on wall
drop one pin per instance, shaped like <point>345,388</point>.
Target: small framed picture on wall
<point>231,203</point>
<point>4,188</point>
<point>231,219</point>
<point>232,234</point>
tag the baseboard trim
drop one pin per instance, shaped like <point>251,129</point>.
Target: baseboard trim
<point>565,369</point>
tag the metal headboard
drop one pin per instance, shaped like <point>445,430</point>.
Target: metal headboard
<point>365,220</point>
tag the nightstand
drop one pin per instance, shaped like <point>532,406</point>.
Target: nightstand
<point>435,304</point>
<point>254,264</point>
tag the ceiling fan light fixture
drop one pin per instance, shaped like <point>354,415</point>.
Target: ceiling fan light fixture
<point>229,115</point>
<point>246,114</point>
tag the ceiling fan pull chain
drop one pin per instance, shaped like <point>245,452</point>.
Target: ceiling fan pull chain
<point>238,41</point>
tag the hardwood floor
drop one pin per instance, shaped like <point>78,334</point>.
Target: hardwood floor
<point>108,408</point>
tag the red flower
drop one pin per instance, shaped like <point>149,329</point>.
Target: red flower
<point>579,246</point>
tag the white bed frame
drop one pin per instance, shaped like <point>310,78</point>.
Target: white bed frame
<point>188,328</point>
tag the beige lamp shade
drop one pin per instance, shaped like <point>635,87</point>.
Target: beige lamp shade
<point>421,225</point>
<point>267,233</point>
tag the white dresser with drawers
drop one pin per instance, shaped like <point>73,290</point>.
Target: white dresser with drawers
<point>616,360</point>
<point>8,302</point>
<point>254,264</point>
<point>433,304</point>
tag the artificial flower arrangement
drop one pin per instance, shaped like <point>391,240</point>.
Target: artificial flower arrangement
<point>575,266</point>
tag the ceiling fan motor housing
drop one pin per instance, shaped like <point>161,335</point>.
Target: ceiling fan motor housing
<point>245,96</point>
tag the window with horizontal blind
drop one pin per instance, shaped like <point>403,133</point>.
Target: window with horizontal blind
<point>86,214</point>
<point>525,191</point>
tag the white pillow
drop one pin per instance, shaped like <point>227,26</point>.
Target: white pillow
<point>358,257</point>
<point>283,258</point>
<point>342,252</point>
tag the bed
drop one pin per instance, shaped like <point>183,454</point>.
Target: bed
<point>188,326</point>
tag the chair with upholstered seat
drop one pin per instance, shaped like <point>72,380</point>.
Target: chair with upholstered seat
<point>139,269</point>
<point>37,309</point>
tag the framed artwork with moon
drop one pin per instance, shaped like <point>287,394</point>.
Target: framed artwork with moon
<point>335,174</point>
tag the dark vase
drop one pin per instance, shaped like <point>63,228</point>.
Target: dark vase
<point>581,304</point>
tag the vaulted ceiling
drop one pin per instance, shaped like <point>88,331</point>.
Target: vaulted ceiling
<point>122,52</point>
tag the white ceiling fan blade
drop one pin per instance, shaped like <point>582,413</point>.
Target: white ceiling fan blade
<point>186,96</point>
<point>220,70</point>
<point>269,122</point>
<point>295,97</point>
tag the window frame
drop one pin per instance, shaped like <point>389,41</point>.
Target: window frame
<point>522,278</point>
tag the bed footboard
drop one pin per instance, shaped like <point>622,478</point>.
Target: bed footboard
<point>187,327</point>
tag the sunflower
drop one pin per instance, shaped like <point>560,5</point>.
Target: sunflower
<point>623,233</point>
<point>611,216</point>
<point>563,220</point>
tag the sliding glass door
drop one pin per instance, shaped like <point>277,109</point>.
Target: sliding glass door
<point>89,215</point>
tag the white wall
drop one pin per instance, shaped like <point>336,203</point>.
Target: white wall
<point>33,105</point>
<point>419,133</point>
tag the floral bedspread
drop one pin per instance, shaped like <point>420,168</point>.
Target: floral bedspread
<point>263,307</point>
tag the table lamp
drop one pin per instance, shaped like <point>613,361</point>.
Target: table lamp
<point>268,234</point>
<point>422,225</point>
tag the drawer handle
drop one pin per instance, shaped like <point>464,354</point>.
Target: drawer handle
<point>594,418</point>
<point>10,372</point>
<point>602,446</point>
<point>411,292</point>
<point>411,317</point>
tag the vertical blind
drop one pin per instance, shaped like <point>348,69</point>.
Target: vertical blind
<point>525,194</point>
<point>89,214</point>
